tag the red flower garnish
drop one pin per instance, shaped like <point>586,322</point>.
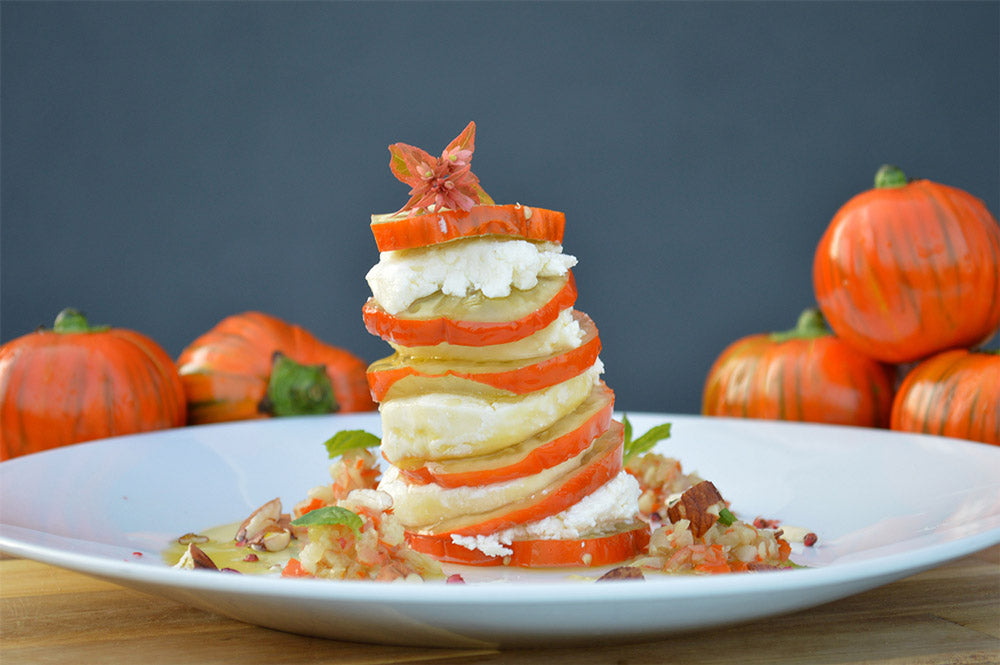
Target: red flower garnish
<point>444,182</point>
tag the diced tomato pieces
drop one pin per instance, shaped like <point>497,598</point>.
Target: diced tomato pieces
<point>314,504</point>
<point>294,569</point>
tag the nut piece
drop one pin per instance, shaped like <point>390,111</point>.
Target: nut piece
<point>273,538</point>
<point>265,529</point>
<point>622,573</point>
<point>694,506</point>
<point>194,558</point>
<point>188,538</point>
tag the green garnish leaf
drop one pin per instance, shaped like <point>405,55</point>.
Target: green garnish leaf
<point>328,516</point>
<point>645,442</point>
<point>628,431</point>
<point>350,439</point>
<point>726,518</point>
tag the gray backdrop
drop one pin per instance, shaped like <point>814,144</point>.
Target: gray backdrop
<point>167,164</point>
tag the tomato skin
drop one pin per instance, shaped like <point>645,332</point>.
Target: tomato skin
<point>394,232</point>
<point>547,455</point>
<point>63,387</point>
<point>955,393</point>
<point>602,550</point>
<point>903,272</point>
<point>605,464</point>
<point>519,380</point>
<point>819,379</point>
<point>430,332</point>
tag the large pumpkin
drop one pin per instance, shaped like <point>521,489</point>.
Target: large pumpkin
<point>805,374</point>
<point>254,365</point>
<point>955,393</point>
<point>908,269</point>
<point>76,383</point>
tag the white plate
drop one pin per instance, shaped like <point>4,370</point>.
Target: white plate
<point>885,505</point>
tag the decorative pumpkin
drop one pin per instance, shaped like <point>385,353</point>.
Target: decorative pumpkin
<point>78,382</point>
<point>254,365</point>
<point>955,393</point>
<point>804,374</point>
<point>910,268</point>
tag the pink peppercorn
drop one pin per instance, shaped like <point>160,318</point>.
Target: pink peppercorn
<point>810,539</point>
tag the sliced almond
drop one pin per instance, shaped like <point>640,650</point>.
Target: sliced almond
<point>269,513</point>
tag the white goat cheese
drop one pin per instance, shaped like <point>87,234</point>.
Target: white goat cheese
<point>489,265</point>
<point>613,503</point>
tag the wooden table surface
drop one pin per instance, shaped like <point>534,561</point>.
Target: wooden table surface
<point>950,614</point>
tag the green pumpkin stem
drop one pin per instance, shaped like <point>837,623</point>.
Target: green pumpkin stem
<point>810,325</point>
<point>295,389</point>
<point>889,177</point>
<point>74,321</point>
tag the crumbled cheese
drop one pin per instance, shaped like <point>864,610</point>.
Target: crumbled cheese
<point>612,504</point>
<point>489,265</point>
<point>488,545</point>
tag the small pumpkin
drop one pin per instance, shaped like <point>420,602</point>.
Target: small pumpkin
<point>955,393</point>
<point>255,365</point>
<point>804,374</point>
<point>78,382</point>
<point>910,268</point>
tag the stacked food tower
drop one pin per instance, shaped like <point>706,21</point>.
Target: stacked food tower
<point>496,427</point>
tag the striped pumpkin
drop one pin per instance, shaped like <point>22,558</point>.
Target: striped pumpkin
<point>255,365</point>
<point>805,374</point>
<point>908,269</point>
<point>77,383</point>
<point>954,393</point>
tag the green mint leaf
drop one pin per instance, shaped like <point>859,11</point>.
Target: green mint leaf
<point>645,442</point>
<point>726,518</point>
<point>350,439</point>
<point>628,430</point>
<point>330,515</point>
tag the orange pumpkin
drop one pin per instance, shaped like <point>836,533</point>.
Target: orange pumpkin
<point>955,393</point>
<point>908,269</point>
<point>78,382</point>
<point>804,374</point>
<point>254,365</point>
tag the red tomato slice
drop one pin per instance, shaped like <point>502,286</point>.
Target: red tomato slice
<point>404,231</point>
<point>430,332</point>
<point>590,552</point>
<point>515,377</point>
<point>591,420</point>
<point>602,463</point>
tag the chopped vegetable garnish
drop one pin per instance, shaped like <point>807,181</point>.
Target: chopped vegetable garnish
<point>726,518</point>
